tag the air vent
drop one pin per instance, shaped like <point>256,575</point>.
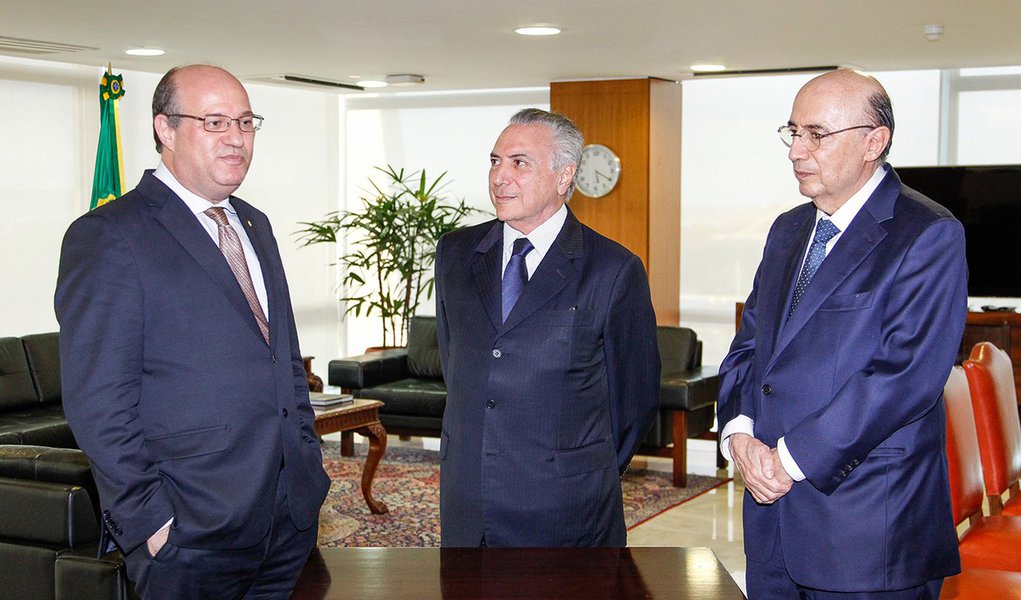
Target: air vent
<point>304,81</point>
<point>10,45</point>
<point>788,71</point>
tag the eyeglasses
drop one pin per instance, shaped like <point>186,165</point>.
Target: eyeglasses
<point>221,123</point>
<point>811,139</point>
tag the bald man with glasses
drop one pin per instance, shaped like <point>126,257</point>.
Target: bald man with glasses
<point>182,377</point>
<point>831,398</point>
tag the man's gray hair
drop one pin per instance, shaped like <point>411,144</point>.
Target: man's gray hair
<point>567,139</point>
<point>880,110</point>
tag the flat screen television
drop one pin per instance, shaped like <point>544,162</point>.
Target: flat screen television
<point>987,200</point>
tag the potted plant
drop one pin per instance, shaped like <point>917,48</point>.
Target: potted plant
<point>391,246</point>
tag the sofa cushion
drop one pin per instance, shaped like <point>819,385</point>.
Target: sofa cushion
<point>43,352</point>
<point>419,397</point>
<point>678,347</point>
<point>38,425</point>
<point>44,513</point>
<point>424,348</point>
<point>16,386</point>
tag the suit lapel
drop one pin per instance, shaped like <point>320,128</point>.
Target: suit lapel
<point>174,215</point>
<point>554,272</point>
<point>791,248</point>
<point>865,232</point>
<point>486,275</point>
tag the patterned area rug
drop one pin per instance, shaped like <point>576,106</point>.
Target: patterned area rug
<point>408,482</point>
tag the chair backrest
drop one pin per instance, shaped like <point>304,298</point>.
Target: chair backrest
<point>991,381</point>
<point>424,348</point>
<point>679,349</point>
<point>964,464</point>
<point>16,386</point>
<point>43,352</point>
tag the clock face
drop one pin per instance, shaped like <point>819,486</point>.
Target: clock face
<point>598,171</point>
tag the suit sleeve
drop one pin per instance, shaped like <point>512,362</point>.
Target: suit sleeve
<point>99,305</point>
<point>632,358</point>
<point>442,330</point>
<point>922,324</point>
<point>736,369</point>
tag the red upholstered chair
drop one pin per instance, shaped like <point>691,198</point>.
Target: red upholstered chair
<point>979,584</point>
<point>989,542</point>
<point>991,381</point>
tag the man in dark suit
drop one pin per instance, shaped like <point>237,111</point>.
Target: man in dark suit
<point>831,396</point>
<point>182,378</point>
<point>549,355</point>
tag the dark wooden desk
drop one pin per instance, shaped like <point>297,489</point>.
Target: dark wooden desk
<point>504,573</point>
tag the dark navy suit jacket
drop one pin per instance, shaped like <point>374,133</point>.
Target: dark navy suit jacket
<point>854,382</point>
<point>168,385</point>
<point>544,411</point>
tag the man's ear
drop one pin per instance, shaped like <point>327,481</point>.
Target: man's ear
<point>566,177</point>
<point>876,141</point>
<point>165,131</point>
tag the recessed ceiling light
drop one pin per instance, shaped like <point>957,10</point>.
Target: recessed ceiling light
<point>144,52</point>
<point>708,68</point>
<point>372,83</point>
<point>537,30</point>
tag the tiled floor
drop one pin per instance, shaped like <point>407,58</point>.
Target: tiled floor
<point>711,520</point>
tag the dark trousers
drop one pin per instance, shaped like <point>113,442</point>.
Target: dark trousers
<point>770,581</point>
<point>267,570</point>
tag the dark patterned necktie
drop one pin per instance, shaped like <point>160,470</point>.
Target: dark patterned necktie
<point>515,276</point>
<point>824,232</point>
<point>230,246</point>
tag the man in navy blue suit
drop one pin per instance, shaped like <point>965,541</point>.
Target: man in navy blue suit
<point>548,344</point>
<point>182,377</point>
<point>831,396</point>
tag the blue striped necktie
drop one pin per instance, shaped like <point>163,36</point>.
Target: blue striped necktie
<point>515,276</point>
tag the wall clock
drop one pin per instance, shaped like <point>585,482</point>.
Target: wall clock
<point>598,172</point>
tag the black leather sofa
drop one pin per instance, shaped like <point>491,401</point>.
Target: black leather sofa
<point>30,409</point>
<point>49,507</point>
<point>409,381</point>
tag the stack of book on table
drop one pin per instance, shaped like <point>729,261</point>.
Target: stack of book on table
<point>320,400</point>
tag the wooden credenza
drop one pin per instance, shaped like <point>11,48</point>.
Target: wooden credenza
<point>1003,329</point>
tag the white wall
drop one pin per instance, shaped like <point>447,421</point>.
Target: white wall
<point>736,179</point>
<point>49,123</point>
<point>436,132</point>
<point>317,149</point>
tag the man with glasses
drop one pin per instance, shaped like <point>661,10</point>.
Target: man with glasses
<point>182,377</point>
<point>831,395</point>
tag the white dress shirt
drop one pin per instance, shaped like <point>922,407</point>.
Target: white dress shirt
<point>197,205</point>
<point>542,238</point>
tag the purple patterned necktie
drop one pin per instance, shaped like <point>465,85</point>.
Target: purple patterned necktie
<point>824,232</point>
<point>515,276</point>
<point>230,246</point>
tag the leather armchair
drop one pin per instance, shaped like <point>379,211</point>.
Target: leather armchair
<point>49,529</point>
<point>409,382</point>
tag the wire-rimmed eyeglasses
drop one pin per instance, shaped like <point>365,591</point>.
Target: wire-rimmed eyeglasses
<point>810,139</point>
<point>221,123</point>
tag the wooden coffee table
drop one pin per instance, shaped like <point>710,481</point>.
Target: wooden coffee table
<point>362,417</point>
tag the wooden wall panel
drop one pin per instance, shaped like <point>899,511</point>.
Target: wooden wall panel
<point>640,120</point>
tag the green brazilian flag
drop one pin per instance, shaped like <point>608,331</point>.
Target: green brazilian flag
<point>108,180</point>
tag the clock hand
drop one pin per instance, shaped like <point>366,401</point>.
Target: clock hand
<point>600,174</point>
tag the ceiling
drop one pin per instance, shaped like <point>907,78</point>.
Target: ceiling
<point>469,44</point>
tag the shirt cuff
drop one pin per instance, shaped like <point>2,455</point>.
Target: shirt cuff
<point>788,462</point>
<point>739,424</point>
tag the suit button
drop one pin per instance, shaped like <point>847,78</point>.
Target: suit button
<point>490,403</point>
<point>284,412</point>
<point>497,353</point>
<point>767,390</point>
